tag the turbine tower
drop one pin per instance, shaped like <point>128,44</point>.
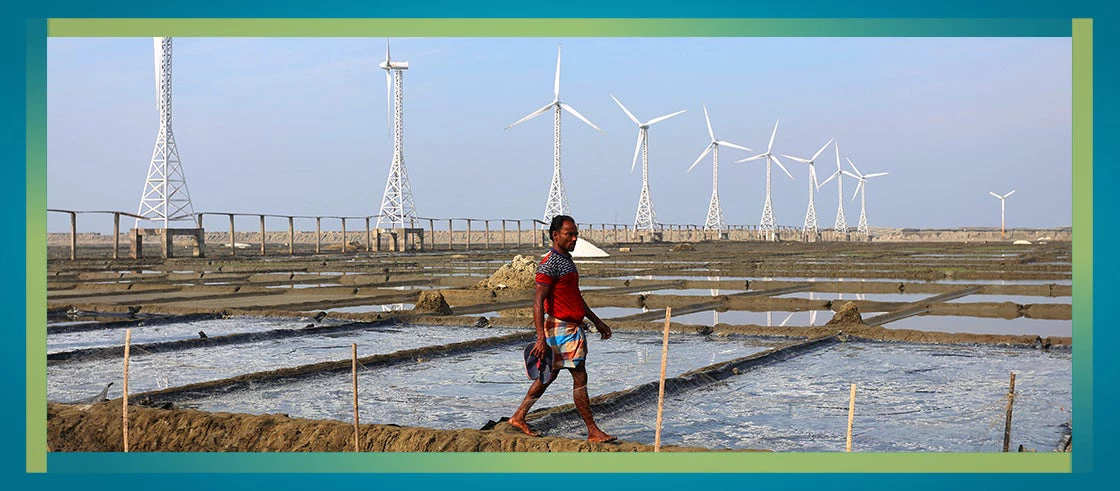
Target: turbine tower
<point>165,198</point>
<point>766,226</point>
<point>645,218</point>
<point>810,229</point>
<point>841,223</point>
<point>862,178</point>
<point>715,213</point>
<point>396,204</point>
<point>1002,202</point>
<point>557,203</point>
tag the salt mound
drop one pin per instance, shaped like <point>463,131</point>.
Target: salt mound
<point>432,301</point>
<point>519,273</point>
<point>584,248</point>
<point>848,314</point>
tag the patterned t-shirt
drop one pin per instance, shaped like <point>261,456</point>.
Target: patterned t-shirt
<point>565,303</point>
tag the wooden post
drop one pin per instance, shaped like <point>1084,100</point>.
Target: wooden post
<point>369,246</point>
<point>117,233</point>
<point>851,415</point>
<point>124,399</point>
<point>450,233</point>
<point>487,222</point>
<point>291,237</point>
<point>232,249</point>
<point>318,234</point>
<point>504,233</point>
<point>1010,402</point>
<point>432,231</point>
<point>354,378</point>
<point>661,384</point>
<point>468,234</point>
<point>344,235</point>
<point>519,233</point>
<point>73,235</point>
<point>262,235</point>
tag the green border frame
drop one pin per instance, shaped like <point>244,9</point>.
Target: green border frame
<point>37,457</point>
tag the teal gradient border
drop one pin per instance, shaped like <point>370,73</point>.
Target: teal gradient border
<point>39,461</point>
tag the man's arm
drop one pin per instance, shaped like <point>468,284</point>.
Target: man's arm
<point>604,329</point>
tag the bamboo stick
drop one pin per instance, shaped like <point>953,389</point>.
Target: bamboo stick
<point>124,399</point>
<point>354,383</point>
<point>1010,402</point>
<point>851,415</point>
<point>661,383</point>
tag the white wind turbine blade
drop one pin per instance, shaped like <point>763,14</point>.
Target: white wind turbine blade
<point>1009,194</point>
<point>772,135</point>
<point>709,121</point>
<point>813,175</point>
<point>818,154</point>
<point>995,195</point>
<point>663,118</point>
<point>858,186</point>
<point>532,115</point>
<point>877,174</point>
<point>791,157</point>
<point>732,145</point>
<point>701,157</point>
<point>837,148</point>
<point>748,159</point>
<point>627,111</point>
<point>853,176</point>
<point>637,148</point>
<point>786,319</point>
<point>388,87</point>
<point>860,176</point>
<point>556,85</point>
<point>779,162</point>
<point>826,181</point>
<point>580,116</point>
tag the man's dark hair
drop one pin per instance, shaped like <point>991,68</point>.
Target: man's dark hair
<point>558,223</point>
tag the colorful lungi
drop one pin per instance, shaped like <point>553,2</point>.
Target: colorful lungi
<point>567,340</point>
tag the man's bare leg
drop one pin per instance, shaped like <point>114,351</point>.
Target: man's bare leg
<point>518,419</point>
<point>583,405</point>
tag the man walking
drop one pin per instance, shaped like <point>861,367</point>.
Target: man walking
<point>558,313</point>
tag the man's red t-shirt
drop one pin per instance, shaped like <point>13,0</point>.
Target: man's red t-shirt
<point>566,302</point>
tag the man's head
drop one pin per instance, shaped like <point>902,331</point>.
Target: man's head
<point>564,232</point>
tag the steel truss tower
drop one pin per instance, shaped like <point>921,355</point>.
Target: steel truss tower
<point>714,221</point>
<point>397,205</point>
<point>557,197</point>
<point>165,198</point>
<point>646,218</point>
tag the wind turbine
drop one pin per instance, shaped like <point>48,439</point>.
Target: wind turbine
<point>1002,202</point>
<point>557,197</point>
<point>715,213</point>
<point>841,223</point>
<point>767,222</point>
<point>645,217</point>
<point>396,204</point>
<point>810,228</point>
<point>863,229</point>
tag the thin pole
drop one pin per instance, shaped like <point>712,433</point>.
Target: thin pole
<point>73,236</point>
<point>124,400</point>
<point>354,378</point>
<point>468,234</point>
<point>291,237</point>
<point>369,246</point>
<point>450,233</point>
<point>851,415</point>
<point>487,222</point>
<point>344,235</point>
<point>262,235</point>
<point>519,233</point>
<point>318,234</point>
<point>232,249</point>
<point>117,233</point>
<point>1010,402</point>
<point>661,384</point>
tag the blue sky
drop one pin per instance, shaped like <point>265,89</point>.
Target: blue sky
<point>298,125</point>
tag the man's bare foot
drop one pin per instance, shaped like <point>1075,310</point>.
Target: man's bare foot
<point>600,437</point>
<point>524,427</point>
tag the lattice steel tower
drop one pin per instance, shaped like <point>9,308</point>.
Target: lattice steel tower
<point>397,205</point>
<point>165,198</point>
<point>714,220</point>
<point>645,218</point>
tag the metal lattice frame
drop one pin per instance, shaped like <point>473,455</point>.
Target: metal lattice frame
<point>557,203</point>
<point>714,221</point>
<point>165,198</point>
<point>863,229</point>
<point>766,225</point>
<point>397,205</point>
<point>646,217</point>
<point>810,227</point>
<point>841,222</point>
